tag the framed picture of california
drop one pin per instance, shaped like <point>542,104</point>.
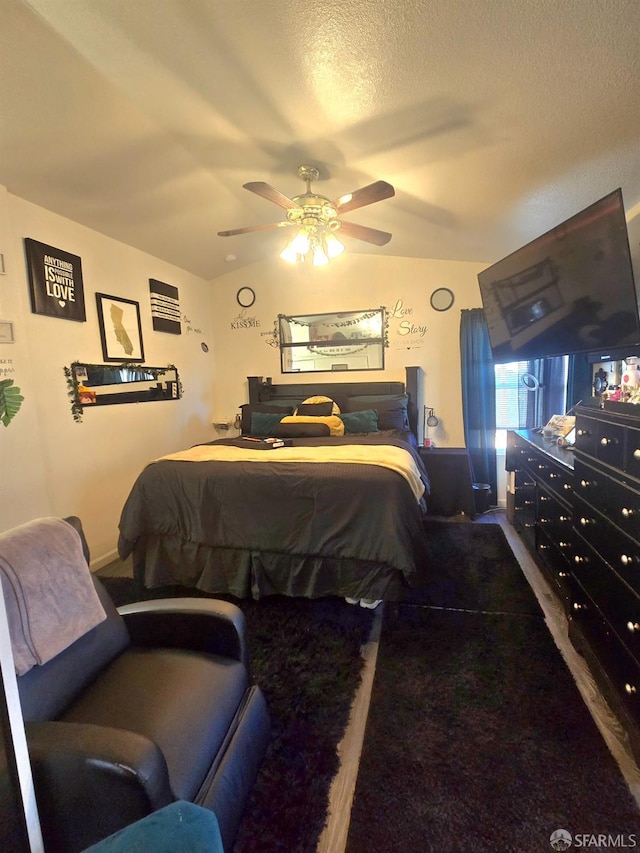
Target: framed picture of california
<point>55,281</point>
<point>120,328</point>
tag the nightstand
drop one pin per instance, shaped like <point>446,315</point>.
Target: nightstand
<point>449,470</point>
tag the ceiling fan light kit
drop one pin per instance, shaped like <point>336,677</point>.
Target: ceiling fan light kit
<point>316,218</point>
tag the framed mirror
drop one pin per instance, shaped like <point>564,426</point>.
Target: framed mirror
<point>349,340</point>
<point>106,384</point>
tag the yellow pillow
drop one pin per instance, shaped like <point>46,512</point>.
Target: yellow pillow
<point>335,424</point>
<point>318,398</point>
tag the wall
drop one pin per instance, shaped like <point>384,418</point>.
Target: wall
<point>418,335</point>
<point>49,464</point>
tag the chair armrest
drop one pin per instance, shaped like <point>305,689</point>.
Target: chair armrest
<point>91,781</point>
<point>199,624</point>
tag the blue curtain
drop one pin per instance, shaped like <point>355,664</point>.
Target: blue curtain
<point>550,399</point>
<point>478,396</point>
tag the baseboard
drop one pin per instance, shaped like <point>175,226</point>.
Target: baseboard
<point>104,560</point>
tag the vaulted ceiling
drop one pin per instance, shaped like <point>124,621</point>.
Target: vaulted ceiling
<point>494,120</point>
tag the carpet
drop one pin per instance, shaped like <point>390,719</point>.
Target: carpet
<point>477,737</point>
<point>305,655</point>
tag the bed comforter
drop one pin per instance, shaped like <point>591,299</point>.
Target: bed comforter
<point>255,528</point>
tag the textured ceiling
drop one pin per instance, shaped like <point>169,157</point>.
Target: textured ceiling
<point>494,120</point>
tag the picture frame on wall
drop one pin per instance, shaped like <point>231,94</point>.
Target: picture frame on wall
<point>120,328</point>
<point>55,281</point>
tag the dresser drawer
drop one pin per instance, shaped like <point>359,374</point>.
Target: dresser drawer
<point>632,453</point>
<point>555,566</point>
<point>616,499</point>
<point>554,517</point>
<point>601,439</point>
<point>613,597</point>
<point>622,670</point>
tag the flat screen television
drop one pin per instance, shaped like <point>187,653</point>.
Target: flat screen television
<point>569,291</point>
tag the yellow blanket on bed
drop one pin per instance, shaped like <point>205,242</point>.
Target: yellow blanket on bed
<point>384,455</point>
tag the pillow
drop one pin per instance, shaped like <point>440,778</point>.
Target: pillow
<point>391,408</point>
<point>301,430</point>
<point>316,410</point>
<point>248,408</point>
<point>319,398</point>
<point>336,427</point>
<point>357,422</point>
<point>264,423</point>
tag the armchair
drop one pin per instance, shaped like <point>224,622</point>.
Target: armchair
<point>152,705</point>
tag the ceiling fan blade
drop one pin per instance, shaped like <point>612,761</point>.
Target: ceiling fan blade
<point>376,191</point>
<point>270,193</point>
<point>268,227</point>
<point>362,232</point>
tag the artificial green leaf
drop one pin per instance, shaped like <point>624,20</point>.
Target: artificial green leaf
<point>10,400</point>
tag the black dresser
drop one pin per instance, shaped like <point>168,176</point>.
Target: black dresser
<point>579,514</point>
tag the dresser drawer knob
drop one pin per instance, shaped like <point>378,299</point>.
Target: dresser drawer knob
<point>542,467</point>
<point>578,606</point>
<point>578,559</point>
<point>605,442</point>
<point>636,453</point>
<point>631,689</point>
<point>586,484</point>
<point>529,525</point>
<point>544,499</point>
<point>564,574</point>
<point>567,487</point>
<point>585,432</point>
<point>563,544</point>
<point>553,476</point>
<point>544,520</point>
<point>627,512</point>
<point>586,521</point>
<point>634,627</point>
<point>564,518</point>
<point>529,485</point>
<point>529,503</point>
<point>627,560</point>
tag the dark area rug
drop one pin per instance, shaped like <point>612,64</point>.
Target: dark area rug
<point>477,737</point>
<point>471,566</point>
<point>305,655</point>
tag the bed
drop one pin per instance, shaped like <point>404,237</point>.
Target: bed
<point>337,510</point>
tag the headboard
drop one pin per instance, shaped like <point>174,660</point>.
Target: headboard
<point>263,391</point>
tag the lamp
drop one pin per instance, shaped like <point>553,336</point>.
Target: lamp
<point>312,240</point>
<point>430,420</point>
<point>316,219</point>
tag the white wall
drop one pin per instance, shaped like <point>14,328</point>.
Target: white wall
<point>418,335</point>
<point>49,464</point>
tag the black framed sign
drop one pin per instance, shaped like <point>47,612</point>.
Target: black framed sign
<point>120,328</point>
<point>55,281</point>
<point>165,307</point>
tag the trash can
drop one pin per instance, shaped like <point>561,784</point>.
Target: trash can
<point>481,495</point>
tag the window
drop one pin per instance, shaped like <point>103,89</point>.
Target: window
<point>520,407</point>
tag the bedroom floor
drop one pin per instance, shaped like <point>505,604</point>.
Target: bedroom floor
<point>334,837</point>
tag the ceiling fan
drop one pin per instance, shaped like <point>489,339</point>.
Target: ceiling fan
<point>317,218</point>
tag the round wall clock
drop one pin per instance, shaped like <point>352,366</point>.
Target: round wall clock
<point>246,297</point>
<point>442,299</point>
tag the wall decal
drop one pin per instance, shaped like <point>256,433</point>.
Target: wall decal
<point>55,281</point>
<point>165,308</point>
<point>120,329</point>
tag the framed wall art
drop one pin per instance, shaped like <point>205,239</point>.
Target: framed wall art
<point>6,332</point>
<point>165,307</point>
<point>120,328</point>
<point>55,281</point>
